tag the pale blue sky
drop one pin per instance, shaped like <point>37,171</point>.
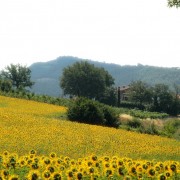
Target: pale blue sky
<point>113,31</point>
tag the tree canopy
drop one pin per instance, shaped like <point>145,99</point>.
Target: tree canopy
<point>86,80</point>
<point>156,98</point>
<point>174,3</point>
<point>20,76</point>
<point>140,92</point>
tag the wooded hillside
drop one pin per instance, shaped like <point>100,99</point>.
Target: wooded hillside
<point>46,74</point>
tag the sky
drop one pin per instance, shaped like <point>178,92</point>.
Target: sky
<point>112,31</point>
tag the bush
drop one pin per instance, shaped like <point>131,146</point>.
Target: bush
<point>110,116</point>
<point>91,112</point>
<point>134,123</point>
<point>5,85</point>
<point>132,105</point>
<point>172,128</point>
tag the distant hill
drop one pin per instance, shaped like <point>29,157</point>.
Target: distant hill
<point>46,75</point>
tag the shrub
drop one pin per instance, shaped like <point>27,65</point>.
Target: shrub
<point>110,116</point>
<point>172,128</point>
<point>85,111</point>
<point>134,123</point>
<point>5,85</point>
<point>91,112</point>
<point>132,105</point>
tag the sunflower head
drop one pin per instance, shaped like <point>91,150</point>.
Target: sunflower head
<point>33,175</point>
<point>34,165</point>
<point>51,169</point>
<point>47,161</point>
<point>5,153</point>
<point>70,174</point>
<point>94,157</point>
<point>106,158</point>
<point>109,172</point>
<point>161,177</point>
<point>53,155</point>
<point>91,170</point>
<point>57,176</point>
<point>32,152</point>
<point>133,170</point>
<point>173,167</point>
<point>151,172</point>
<point>79,175</point>
<point>13,177</point>
<point>5,173</point>
<point>122,171</point>
<point>46,174</point>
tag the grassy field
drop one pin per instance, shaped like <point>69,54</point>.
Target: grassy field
<point>27,125</point>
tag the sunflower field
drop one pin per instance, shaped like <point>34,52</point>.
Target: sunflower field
<point>37,142</point>
<point>52,167</point>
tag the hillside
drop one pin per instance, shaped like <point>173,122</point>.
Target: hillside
<point>46,74</point>
<point>37,144</point>
<point>27,125</point>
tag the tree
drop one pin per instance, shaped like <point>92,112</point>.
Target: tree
<point>20,76</point>
<point>162,98</point>
<point>86,80</point>
<point>110,96</point>
<point>140,92</point>
<point>175,109</point>
<point>174,3</point>
<point>5,85</point>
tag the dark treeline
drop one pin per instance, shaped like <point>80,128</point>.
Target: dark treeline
<point>157,98</point>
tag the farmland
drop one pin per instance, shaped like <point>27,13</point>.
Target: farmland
<point>27,125</point>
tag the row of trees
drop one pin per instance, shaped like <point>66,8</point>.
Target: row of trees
<point>83,79</point>
<point>155,98</point>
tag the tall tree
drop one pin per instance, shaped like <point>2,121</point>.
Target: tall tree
<point>140,92</point>
<point>20,76</point>
<point>84,79</point>
<point>174,3</point>
<point>162,98</point>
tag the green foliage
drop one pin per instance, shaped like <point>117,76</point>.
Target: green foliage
<point>19,76</point>
<point>162,98</point>
<point>91,112</point>
<point>109,97</point>
<point>39,98</point>
<point>151,129</point>
<point>147,114</point>
<point>174,3</point>
<point>131,105</point>
<point>83,79</point>
<point>172,128</point>
<point>110,116</point>
<point>5,85</point>
<point>86,111</point>
<point>46,75</point>
<point>139,92</point>
<point>158,98</point>
<point>134,123</point>
<point>143,126</point>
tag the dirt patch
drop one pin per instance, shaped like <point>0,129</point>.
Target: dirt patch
<point>125,118</point>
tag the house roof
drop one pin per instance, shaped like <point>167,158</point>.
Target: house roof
<point>122,88</point>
